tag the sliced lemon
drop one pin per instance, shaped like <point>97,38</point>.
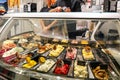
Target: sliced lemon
<point>42,59</point>
<point>28,59</point>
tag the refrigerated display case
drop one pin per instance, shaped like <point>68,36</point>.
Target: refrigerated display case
<point>30,49</point>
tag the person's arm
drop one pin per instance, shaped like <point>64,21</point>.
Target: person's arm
<point>52,10</point>
<point>51,24</point>
<point>44,27</point>
<point>57,9</point>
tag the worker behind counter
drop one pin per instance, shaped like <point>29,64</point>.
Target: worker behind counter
<point>51,26</point>
<point>65,6</point>
<point>69,6</point>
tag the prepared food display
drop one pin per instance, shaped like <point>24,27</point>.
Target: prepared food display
<point>74,42</point>
<point>56,50</point>
<point>62,67</point>
<point>43,48</point>
<point>80,69</point>
<point>88,53</point>
<point>29,63</point>
<point>100,70</point>
<point>100,73</point>
<point>64,41</point>
<point>46,65</point>
<point>7,44</point>
<point>11,53</point>
<point>18,59</point>
<point>55,40</point>
<point>84,42</point>
<point>22,41</point>
<point>71,53</point>
<point>32,52</point>
<point>37,38</point>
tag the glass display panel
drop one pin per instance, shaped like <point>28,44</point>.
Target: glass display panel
<point>109,33</point>
<point>53,28</point>
<point>46,28</point>
<point>2,21</point>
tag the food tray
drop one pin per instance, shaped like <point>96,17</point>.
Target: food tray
<point>69,73</point>
<point>36,59</point>
<point>93,59</point>
<point>46,67</point>
<point>74,42</point>
<point>99,70</point>
<point>19,36</point>
<point>44,49</point>
<point>74,55</point>
<point>80,66</point>
<point>57,55</point>
<point>65,43</point>
<point>17,58</point>
<point>55,41</point>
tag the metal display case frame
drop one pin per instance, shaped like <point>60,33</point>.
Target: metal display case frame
<point>68,16</point>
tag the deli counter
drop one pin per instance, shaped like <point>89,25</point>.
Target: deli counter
<point>62,46</point>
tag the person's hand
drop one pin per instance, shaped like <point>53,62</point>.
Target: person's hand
<point>55,21</point>
<point>57,9</point>
<point>45,29</point>
<point>67,9</point>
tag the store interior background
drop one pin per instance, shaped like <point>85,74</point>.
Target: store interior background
<point>87,6</point>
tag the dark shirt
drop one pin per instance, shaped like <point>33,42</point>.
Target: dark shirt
<point>74,5</point>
